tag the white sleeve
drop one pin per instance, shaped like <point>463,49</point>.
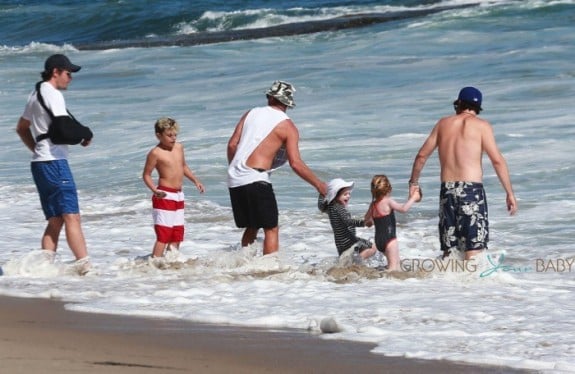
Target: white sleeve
<point>28,114</point>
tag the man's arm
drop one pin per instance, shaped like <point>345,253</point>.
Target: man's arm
<point>420,159</point>
<point>295,161</point>
<point>25,134</point>
<point>500,166</point>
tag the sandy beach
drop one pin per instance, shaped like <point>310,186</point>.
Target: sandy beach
<point>41,336</point>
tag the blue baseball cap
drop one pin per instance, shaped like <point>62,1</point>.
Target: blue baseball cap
<point>471,95</point>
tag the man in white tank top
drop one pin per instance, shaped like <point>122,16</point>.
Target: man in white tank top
<point>264,139</point>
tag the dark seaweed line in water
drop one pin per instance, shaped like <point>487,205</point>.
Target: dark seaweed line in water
<point>298,28</point>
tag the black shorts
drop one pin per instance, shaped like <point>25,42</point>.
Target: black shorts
<point>254,205</point>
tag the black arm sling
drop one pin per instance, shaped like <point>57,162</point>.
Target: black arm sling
<point>62,129</point>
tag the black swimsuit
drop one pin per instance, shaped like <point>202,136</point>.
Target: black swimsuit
<point>384,230</point>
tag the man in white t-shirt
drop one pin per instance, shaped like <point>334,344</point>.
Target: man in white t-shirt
<point>50,169</point>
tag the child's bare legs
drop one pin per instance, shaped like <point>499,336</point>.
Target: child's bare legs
<point>159,248</point>
<point>175,246</point>
<point>392,255</point>
<point>367,253</point>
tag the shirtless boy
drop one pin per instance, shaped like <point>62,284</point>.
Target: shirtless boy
<point>461,140</point>
<point>167,158</point>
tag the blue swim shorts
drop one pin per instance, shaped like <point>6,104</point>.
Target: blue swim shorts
<point>56,187</point>
<point>463,219</point>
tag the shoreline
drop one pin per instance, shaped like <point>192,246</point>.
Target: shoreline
<point>40,335</point>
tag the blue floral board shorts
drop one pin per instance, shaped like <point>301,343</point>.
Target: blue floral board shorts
<point>463,218</point>
<point>56,187</point>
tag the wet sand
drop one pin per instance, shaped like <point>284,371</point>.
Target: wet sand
<point>40,336</point>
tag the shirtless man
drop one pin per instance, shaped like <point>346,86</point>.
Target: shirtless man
<point>167,158</point>
<point>461,140</point>
<point>261,136</point>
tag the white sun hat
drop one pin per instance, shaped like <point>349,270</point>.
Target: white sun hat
<point>334,186</point>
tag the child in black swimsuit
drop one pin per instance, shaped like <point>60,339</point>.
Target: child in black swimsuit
<point>381,214</point>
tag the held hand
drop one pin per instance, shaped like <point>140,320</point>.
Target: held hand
<point>368,222</point>
<point>322,189</point>
<point>511,204</point>
<point>200,187</point>
<point>415,191</point>
<point>368,217</point>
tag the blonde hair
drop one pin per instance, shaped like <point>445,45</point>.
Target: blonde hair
<point>380,187</point>
<point>166,123</point>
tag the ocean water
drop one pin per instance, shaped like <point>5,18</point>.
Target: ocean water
<point>366,99</point>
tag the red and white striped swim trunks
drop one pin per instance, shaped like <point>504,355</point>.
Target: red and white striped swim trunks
<point>168,215</point>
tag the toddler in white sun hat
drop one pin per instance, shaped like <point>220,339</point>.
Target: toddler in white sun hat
<point>341,221</point>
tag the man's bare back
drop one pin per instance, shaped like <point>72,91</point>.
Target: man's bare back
<point>262,157</point>
<point>461,139</point>
<point>285,134</point>
<point>460,147</point>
